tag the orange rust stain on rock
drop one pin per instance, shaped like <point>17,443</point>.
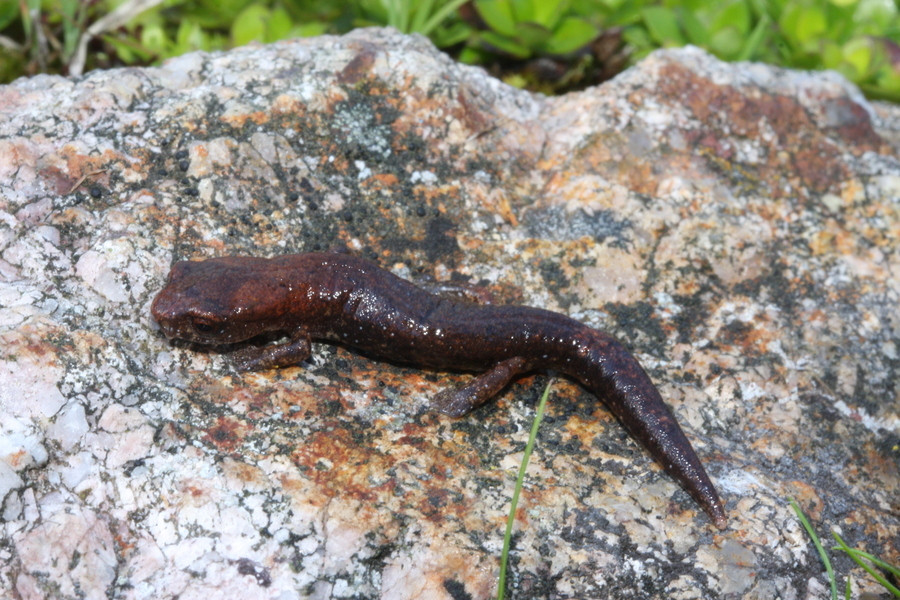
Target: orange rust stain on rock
<point>194,492</point>
<point>18,460</point>
<point>817,316</point>
<point>728,113</point>
<point>751,339</point>
<point>227,433</point>
<point>335,462</point>
<point>244,472</point>
<point>97,169</point>
<point>287,105</point>
<point>124,539</point>
<point>830,240</point>
<point>639,177</point>
<point>258,117</point>
<point>807,498</point>
<point>380,181</point>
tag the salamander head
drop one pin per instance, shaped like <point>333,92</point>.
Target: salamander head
<point>218,301</point>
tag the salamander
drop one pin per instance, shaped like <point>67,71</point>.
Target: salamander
<point>341,298</point>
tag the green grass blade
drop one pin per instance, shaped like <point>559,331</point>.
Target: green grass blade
<point>815,539</point>
<point>405,8</point>
<point>895,571</point>
<point>520,479</point>
<point>422,9</point>
<point>438,17</point>
<point>756,37</point>
<point>858,555</point>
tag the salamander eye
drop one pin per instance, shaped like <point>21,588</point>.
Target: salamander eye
<point>203,325</point>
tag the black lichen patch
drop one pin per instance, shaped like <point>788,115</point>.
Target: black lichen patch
<point>261,574</point>
<point>457,590</point>
<point>638,318</point>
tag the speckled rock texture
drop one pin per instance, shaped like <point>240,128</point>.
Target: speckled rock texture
<point>736,226</point>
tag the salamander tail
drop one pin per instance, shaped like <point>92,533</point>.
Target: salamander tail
<point>615,375</point>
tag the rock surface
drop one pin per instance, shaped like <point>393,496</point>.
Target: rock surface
<point>737,226</point>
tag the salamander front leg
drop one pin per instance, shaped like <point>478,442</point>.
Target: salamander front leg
<point>261,358</point>
<point>458,401</point>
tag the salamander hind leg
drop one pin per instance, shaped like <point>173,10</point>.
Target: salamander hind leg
<point>459,401</point>
<point>260,358</point>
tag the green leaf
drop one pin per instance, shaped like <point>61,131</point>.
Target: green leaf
<point>420,10</point>
<point>189,37</point>
<point>637,37</point>
<point>832,57</point>
<point>214,14</point>
<point>811,24</point>
<point>311,29</point>
<point>889,80</point>
<point>250,25</point>
<point>531,34</point>
<point>473,56</point>
<point>456,33</point>
<point>399,12</point>
<point>279,25</point>
<point>549,12</point>
<point>505,44</point>
<point>573,33</point>
<point>662,25</point>
<point>9,10</point>
<point>522,10</point>
<point>874,16</point>
<point>696,31</point>
<point>843,3</point>
<point>498,15</point>
<point>735,14</point>
<point>442,15</point>
<point>154,39</point>
<point>128,49</point>
<point>755,40</point>
<point>517,80</point>
<point>727,42</point>
<point>858,53</point>
<point>787,22</point>
<point>629,13</point>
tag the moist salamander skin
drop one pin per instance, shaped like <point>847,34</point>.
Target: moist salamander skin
<point>341,298</point>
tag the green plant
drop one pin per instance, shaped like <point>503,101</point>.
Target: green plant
<point>858,556</point>
<point>523,28</point>
<point>39,36</point>
<point>520,481</point>
<point>823,556</point>
<point>433,18</point>
<point>731,29</point>
<point>854,37</point>
<point>840,35</point>
<point>180,26</point>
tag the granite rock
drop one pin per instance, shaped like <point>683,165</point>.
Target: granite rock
<point>736,226</point>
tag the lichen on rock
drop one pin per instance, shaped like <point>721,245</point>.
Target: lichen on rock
<point>737,226</point>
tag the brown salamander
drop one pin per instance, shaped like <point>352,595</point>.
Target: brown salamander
<point>342,298</point>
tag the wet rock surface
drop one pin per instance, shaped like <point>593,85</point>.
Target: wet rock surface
<point>736,226</point>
